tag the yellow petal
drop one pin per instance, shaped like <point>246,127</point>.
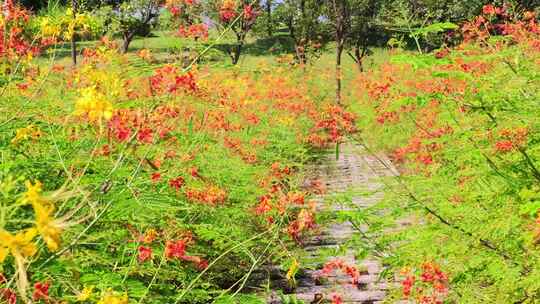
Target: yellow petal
<point>292,270</point>
<point>3,254</point>
<point>85,294</point>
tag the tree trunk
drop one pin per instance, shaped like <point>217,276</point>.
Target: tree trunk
<point>359,58</point>
<point>127,38</point>
<point>342,18</point>
<point>73,42</point>
<point>339,52</point>
<point>300,50</point>
<point>237,52</point>
<point>240,40</point>
<point>270,25</point>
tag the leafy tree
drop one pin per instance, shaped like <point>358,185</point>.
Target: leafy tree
<point>415,22</point>
<point>238,16</point>
<point>353,24</point>
<point>269,20</point>
<point>426,21</point>
<point>134,17</point>
<point>303,19</point>
<point>364,30</point>
<point>339,12</point>
<point>186,19</point>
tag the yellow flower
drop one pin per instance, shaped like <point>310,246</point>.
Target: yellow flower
<point>48,228</point>
<point>85,294</point>
<point>94,105</point>
<point>3,253</point>
<point>19,245</point>
<point>286,121</point>
<point>33,193</point>
<point>109,298</point>
<point>292,270</point>
<point>29,132</point>
<point>48,29</point>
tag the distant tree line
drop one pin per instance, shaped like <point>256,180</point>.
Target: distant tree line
<point>352,26</point>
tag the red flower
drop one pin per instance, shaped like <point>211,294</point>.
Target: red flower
<point>122,133</point>
<point>336,299</point>
<point>442,53</point>
<point>264,205</point>
<point>352,272</point>
<point>23,86</point>
<point>8,295</point>
<point>408,285</point>
<point>156,176</point>
<point>504,146</point>
<point>170,154</point>
<point>349,270</point>
<point>119,129</point>
<point>203,264</point>
<point>489,10</point>
<point>175,10</point>
<point>177,183</point>
<point>249,13</point>
<point>41,291</point>
<point>176,249</point>
<point>196,31</point>
<point>145,254</point>
<point>186,81</point>
<point>194,171</point>
<point>145,135</point>
<point>199,262</point>
<point>426,159</point>
<point>227,15</point>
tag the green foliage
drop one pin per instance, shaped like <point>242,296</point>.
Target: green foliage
<point>306,25</point>
<point>434,28</point>
<point>130,19</point>
<point>463,131</point>
<point>234,131</point>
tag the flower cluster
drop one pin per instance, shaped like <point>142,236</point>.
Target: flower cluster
<point>349,270</point>
<point>511,139</point>
<point>430,287</point>
<point>174,249</point>
<point>93,105</point>
<point>21,245</point>
<point>30,132</point>
<point>227,11</point>
<point>500,21</point>
<point>332,126</point>
<point>170,80</point>
<point>18,45</point>
<point>142,126</point>
<point>195,31</point>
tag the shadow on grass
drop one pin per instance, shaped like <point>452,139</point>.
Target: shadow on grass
<point>281,43</point>
<point>275,45</point>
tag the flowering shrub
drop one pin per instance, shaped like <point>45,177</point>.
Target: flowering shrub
<point>237,15</point>
<point>430,288</point>
<point>61,26</point>
<point>159,186</point>
<point>185,18</point>
<point>462,129</point>
<point>18,46</point>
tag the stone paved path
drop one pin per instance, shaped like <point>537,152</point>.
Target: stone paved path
<point>354,169</point>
